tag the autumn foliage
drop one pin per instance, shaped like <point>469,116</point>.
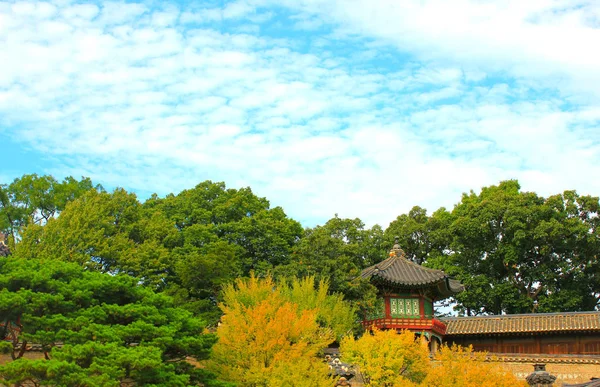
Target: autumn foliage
<point>460,366</point>
<point>389,359</point>
<point>271,334</point>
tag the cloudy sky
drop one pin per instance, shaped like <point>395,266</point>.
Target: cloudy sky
<point>358,107</point>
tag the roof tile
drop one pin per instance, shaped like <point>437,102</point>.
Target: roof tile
<point>523,323</point>
<point>401,271</point>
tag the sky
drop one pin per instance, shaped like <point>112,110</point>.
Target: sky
<point>359,108</point>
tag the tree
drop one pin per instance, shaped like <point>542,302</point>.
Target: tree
<point>271,334</point>
<point>517,252</point>
<point>221,234</point>
<point>108,232</point>
<point>461,367</point>
<point>337,252</point>
<point>386,358</point>
<point>423,238</point>
<point>95,329</point>
<point>262,237</point>
<point>187,245</point>
<point>37,199</point>
<point>392,359</point>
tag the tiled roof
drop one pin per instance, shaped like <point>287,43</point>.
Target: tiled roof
<point>523,323</point>
<point>533,358</point>
<point>401,271</point>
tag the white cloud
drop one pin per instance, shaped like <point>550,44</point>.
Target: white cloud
<point>157,100</point>
<point>545,40</point>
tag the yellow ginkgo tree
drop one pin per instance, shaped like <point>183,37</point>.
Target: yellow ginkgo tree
<point>387,358</point>
<point>392,359</point>
<point>459,366</point>
<point>272,334</point>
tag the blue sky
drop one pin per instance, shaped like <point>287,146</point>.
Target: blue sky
<point>357,107</point>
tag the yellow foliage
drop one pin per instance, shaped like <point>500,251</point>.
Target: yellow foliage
<point>459,366</point>
<point>332,311</point>
<point>388,359</point>
<point>267,341</point>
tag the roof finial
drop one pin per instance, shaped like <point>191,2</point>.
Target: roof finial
<point>396,250</point>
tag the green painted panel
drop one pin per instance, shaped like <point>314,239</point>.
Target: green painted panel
<point>428,308</point>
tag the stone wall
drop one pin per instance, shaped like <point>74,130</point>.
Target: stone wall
<point>565,372</point>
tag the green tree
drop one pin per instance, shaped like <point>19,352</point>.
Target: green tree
<point>423,238</point>
<point>261,237</point>
<point>95,329</point>
<point>337,252</point>
<point>187,245</point>
<point>221,234</point>
<point>36,199</point>
<point>517,252</point>
<point>108,232</point>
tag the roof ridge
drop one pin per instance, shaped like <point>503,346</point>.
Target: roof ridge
<point>425,267</point>
<point>386,263</point>
<point>507,316</point>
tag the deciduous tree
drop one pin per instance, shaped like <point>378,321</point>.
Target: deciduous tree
<point>337,252</point>
<point>271,334</point>
<point>517,252</point>
<point>392,359</point>
<point>386,358</point>
<point>263,237</point>
<point>461,367</point>
<point>36,199</point>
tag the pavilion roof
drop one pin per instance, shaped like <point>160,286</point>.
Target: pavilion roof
<point>397,270</point>
<point>533,323</point>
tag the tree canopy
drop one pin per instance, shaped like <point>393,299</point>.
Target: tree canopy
<point>188,245</point>
<point>106,284</point>
<point>392,359</point>
<point>337,252</point>
<point>95,329</point>
<point>36,199</point>
<point>517,252</point>
<point>388,359</point>
<point>272,333</point>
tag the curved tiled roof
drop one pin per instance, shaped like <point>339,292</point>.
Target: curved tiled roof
<point>523,323</point>
<point>401,271</point>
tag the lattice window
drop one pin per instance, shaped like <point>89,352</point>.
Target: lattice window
<point>415,307</point>
<point>400,307</point>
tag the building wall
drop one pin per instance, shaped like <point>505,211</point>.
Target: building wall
<point>565,373</point>
<point>572,358</point>
<point>573,344</point>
